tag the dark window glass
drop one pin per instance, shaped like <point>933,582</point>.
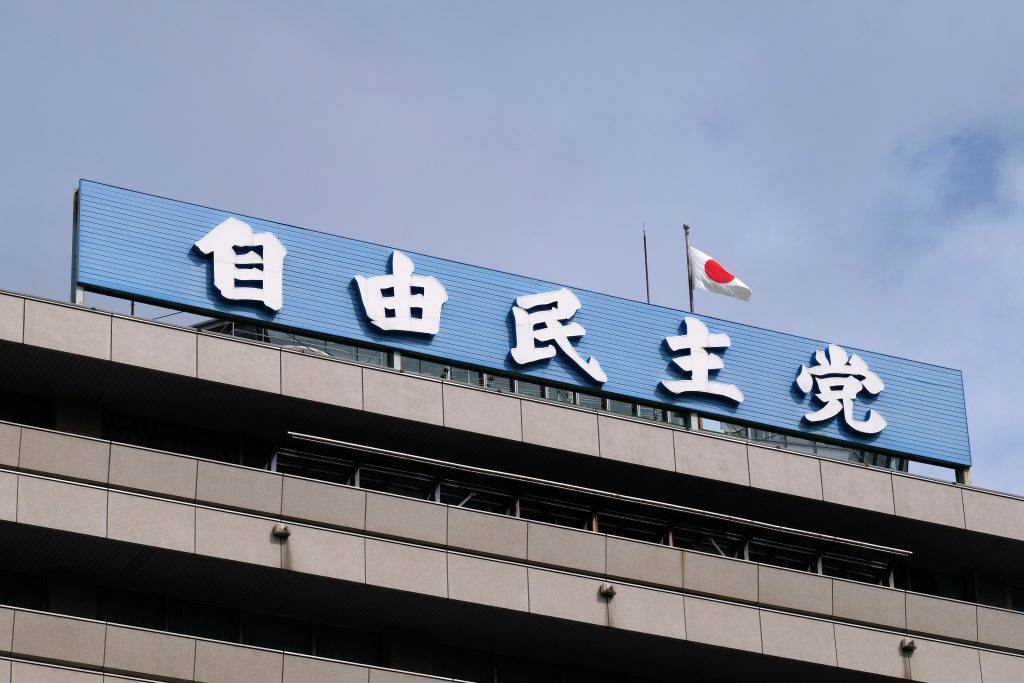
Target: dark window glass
<point>584,676</point>
<point>935,583</point>
<point>621,407</point>
<point>1017,598</point>
<point>463,664</point>
<point>649,413</point>
<point>560,395</point>
<point>204,621</point>
<point>131,609</point>
<point>350,645</point>
<point>26,410</point>
<point>515,670</point>
<point>592,402</point>
<point>464,376</point>
<point>21,590</point>
<point>498,383</point>
<point>529,389</point>
<point>278,633</point>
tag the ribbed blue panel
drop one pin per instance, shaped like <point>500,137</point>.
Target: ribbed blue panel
<point>140,246</point>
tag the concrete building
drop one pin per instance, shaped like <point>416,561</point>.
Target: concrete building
<point>236,504</point>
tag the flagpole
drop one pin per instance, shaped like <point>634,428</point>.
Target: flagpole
<point>647,273</point>
<point>689,275</point>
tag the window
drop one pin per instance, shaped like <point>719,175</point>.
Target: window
<point>1017,598</point>
<point>277,633</point>
<point>515,670</point>
<point>204,621</point>
<point>21,590</point>
<point>350,645</point>
<point>132,609</point>
<point>462,664</point>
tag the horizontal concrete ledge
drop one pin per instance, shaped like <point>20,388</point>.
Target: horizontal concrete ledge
<point>165,348</point>
<point>42,647</point>
<point>48,647</point>
<point>432,549</point>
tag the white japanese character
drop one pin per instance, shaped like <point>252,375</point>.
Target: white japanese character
<point>699,363</point>
<point>839,378</point>
<point>544,327</point>
<point>403,302</point>
<point>246,266</point>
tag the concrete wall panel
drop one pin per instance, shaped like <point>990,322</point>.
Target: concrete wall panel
<point>23,672</point>
<point>64,455</point>
<point>992,514</point>
<point>486,533</point>
<point>321,380</point>
<point>406,518</point>
<point>1000,627</point>
<point>5,671</point>
<point>875,652</point>
<point>645,562</point>
<point>869,604</point>
<point>857,486</point>
<point>154,347</point>
<point>6,629</point>
<point>389,676</point>
<point>561,547</point>
<point>723,624</point>
<point>67,329</point>
<point>938,617</point>
<point>557,427</point>
<point>58,639</point>
<point>792,637</point>
<point>220,663</point>
<point>325,553</point>
<point>10,445</point>
<point>80,509</point>
<point>711,458</point>
<point>483,412</point>
<point>236,537</point>
<point>308,669</point>
<point>324,503</point>
<point>402,396</point>
<point>238,487</point>
<point>794,590</point>
<point>636,442</point>
<point>155,472</point>
<point>161,655</point>
<point>567,596</point>
<point>720,576</point>
<point>240,364</point>
<point>928,501</point>
<point>789,473</point>
<point>648,611</point>
<point>1000,668</point>
<point>8,496</point>
<point>148,521</point>
<point>12,318</point>
<point>943,663</point>
<point>406,567</point>
<point>488,582</point>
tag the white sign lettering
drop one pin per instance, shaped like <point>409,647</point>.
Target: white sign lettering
<point>839,378</point>
<point>401,301</point>
<point>540,332</point>
<point>699,363</point>
<point>246,266</point>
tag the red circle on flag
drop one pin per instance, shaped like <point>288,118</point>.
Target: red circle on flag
<point>717,273</point>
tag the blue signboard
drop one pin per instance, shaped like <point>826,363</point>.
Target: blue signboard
<point>227,264</point>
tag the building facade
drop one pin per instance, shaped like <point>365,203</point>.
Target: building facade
<point>234,503</point>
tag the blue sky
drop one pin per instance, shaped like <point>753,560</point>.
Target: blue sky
<point>859,165</point>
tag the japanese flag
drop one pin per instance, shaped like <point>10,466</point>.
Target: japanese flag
<point>710,275</point>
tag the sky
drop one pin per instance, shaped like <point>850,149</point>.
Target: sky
<point>860,165</point>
